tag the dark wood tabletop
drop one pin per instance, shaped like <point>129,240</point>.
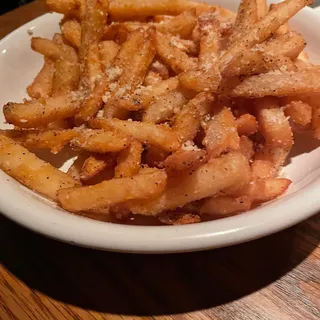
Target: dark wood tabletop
<point>274,278</point>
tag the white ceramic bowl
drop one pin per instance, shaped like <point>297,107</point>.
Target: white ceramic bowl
<point>19,65</point>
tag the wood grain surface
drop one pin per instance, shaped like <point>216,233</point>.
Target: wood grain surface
<point>274,278</point>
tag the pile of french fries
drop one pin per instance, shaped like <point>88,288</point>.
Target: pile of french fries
<point>179,110</point>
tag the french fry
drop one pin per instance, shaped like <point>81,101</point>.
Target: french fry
<point>275,155</point>
<point>205,181</point>
<point>100,141</point>
<point>185,160</point>
<point>188,120</point>
<point>31,171</point>
<point>67,72</point>
<point>159,67</point>
<point>225,205</point>
<point>71,31</point>
<point>266,189</point>
<point>94,165</point>
<point>247,16</point>
<point>246,147</point>
<point>165,107</point>
<point>181,25</point>
<point>185,45</point>
<point>93,65</point>
<point>278,83</point>
<point>46,47</point>
<point>108,52</point>
<point>262,8</point>
<point>129,161</point>
<point>67,7</point>
<point>263,169</point>
<point>41,87</point>
<point>155,157</point>
<point>221,134</point>
<point>75,169</point>
<point>299,112</point>
<point>33,114</point>
<point>246,125</point>
<point>178,60</point>
<point>129,9</point>
<point>273,123</point>
<point>106,193</point>
<point>178,218</point>
<point>162,18</point>
<point>260,62</point>
<point>154,134</point>
<point>210,39</point>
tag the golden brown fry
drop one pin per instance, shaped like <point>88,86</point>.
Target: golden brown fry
<point>100,141</point>
<point>94,165</point>
<point>62,6</point>
<point>154,157</point>
<point>33,114</point>
<point>188,120</point>
<point>263,169</point>
<point>106,193</point>
<point>210,39</point>
<point>31,171</point>
<point>129,161</point>
<point>273,123</point>
<point>152,78</point>
<point>41,87</point>
<point>159,67</point>
<point>75,168</point>
<point>225,205</point>
<point>46,47</point>
<point>206,181</point>
<point>221,134</point>
<point>299,112</point>
<point>93,66</point>
<point>284,28</point>
<point>262,8</point>
<point>165,107</point>
<point>108,52</point>
<point>71,30</point>
<point>186,159</point>
<point>278,83</point>
<point>275,155</point>
<point>178,60</point>
<point>246,147</point>
<point>247,125</point>
<point>154,134</point>
<point>178,218</point>
<point>181,25</point>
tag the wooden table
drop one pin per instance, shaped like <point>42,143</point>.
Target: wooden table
<point>275,278</point>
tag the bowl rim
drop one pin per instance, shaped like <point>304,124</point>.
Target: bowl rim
<point>74,229</point>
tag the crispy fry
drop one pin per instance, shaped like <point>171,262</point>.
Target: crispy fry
<point>299,112</point>
<point>165,107</point>
<point>95,164</point>
<point>152,78</point>
<point>188,120</point>
<point>154,157</point>
<point>159,67</point>
<point>225,205</point>
<point>273,123</point>
<point>100,141</point>
<point>221,134</point>
<point>278,83</point>
<point>246,147</point>
<point>106,193</point>
<point>275,155</point>
<point>178,60</point>
<point>93,65</point>
<point>33,114</point>
<point>75,169</point>
<point>181,25</point>
<point>41,87</point>
<point>185,159</point>
<point>108,52</point>
<point>129,161</point>
<point>45,47</point>
<point>284,28</point>
<point>205,181</point>
<point>263,169</point>
<point>246,125</point>
<point>154,134</point>
<point>31,171</point>
<point>71,30</point>
<point>262,8</point>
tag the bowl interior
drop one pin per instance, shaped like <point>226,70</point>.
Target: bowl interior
<point>19,65</point>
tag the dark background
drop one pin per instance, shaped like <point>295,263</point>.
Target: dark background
<point>8,5</point>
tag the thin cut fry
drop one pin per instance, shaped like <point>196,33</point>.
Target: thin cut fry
<point>299,112</point>
<point>129,161</point>
<point>157,135</point>
<point>262,8</point>
<point>31,171</point>
<point>41,87</point>
<point>246,147</point>
<point>263,169</point>
<point>33,114</point>
<point>206,181</point>
<point>71,30</point>
<point>278,83</point>
<point>221,134</point>
<point>45,47</point>
<point>108,52</point>
<point>75,169</point>
<point>247,125</point>
<point>106,193</point>
<point>225,205</point>
<point>188,120</point>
